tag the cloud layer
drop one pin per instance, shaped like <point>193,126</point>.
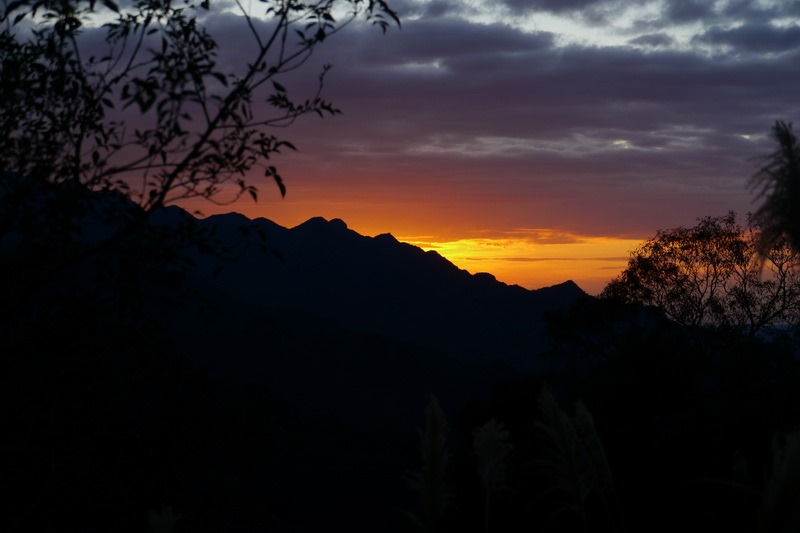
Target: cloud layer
<point>526,127</point>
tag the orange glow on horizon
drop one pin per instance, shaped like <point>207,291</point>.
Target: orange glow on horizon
<point>531,258</point>
<point>591,262</point>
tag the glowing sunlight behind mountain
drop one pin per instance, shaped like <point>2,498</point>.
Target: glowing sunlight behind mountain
<point>537,258</point>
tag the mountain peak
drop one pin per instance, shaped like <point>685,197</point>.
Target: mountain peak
<point>386,237</point>
<point>318,223</point>
<point>484,276</point>
<point>313,222</point>
<point>568,289</point>
<point>569,285</point>
<point>338,223</point>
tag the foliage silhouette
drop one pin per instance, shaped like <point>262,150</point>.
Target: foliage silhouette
<point>778,183</point>
<point>152,114</point>
<point>712,275</point>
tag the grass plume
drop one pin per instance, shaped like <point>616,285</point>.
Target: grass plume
<point>431,482</point>
<point>780,510</point>
<point>491,445</point>
<point>574,460</point>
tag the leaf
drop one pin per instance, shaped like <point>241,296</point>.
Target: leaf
<point>279,87</point>
<point>221,78</point>
<point>279,182</point>
<point>110,4</point>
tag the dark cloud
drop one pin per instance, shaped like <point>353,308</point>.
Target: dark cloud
<point>439,8</point>
<point>671,12</point>
<point>681,11</point>
<point>451,38</point>
<point>653,39</point>
<point>755,12</point>
<point>409,9</point>
<point>788,8</point>
<point>553,6</point>
<point>603,11</point>
<point>756,38</point>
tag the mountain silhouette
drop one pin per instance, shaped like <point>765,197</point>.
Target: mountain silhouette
<point>378,285</point>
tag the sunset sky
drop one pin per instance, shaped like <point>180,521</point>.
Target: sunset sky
<point>539,140</point>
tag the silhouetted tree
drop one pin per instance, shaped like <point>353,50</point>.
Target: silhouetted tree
<point>712,275</point>
<point>778,183</point>
<point>151,113</point>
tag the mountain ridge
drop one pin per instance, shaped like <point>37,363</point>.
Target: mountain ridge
<point>380,285</point>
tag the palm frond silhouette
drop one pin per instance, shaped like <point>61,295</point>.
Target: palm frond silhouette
<point>778,183</point>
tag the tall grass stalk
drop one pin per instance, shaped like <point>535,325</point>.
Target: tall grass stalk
<point>431,482</point>
<point>491,445</point>
<point>780,509</point>
<point>574,460</point>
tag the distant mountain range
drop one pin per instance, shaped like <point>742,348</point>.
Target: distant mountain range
<point>333,276</point>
